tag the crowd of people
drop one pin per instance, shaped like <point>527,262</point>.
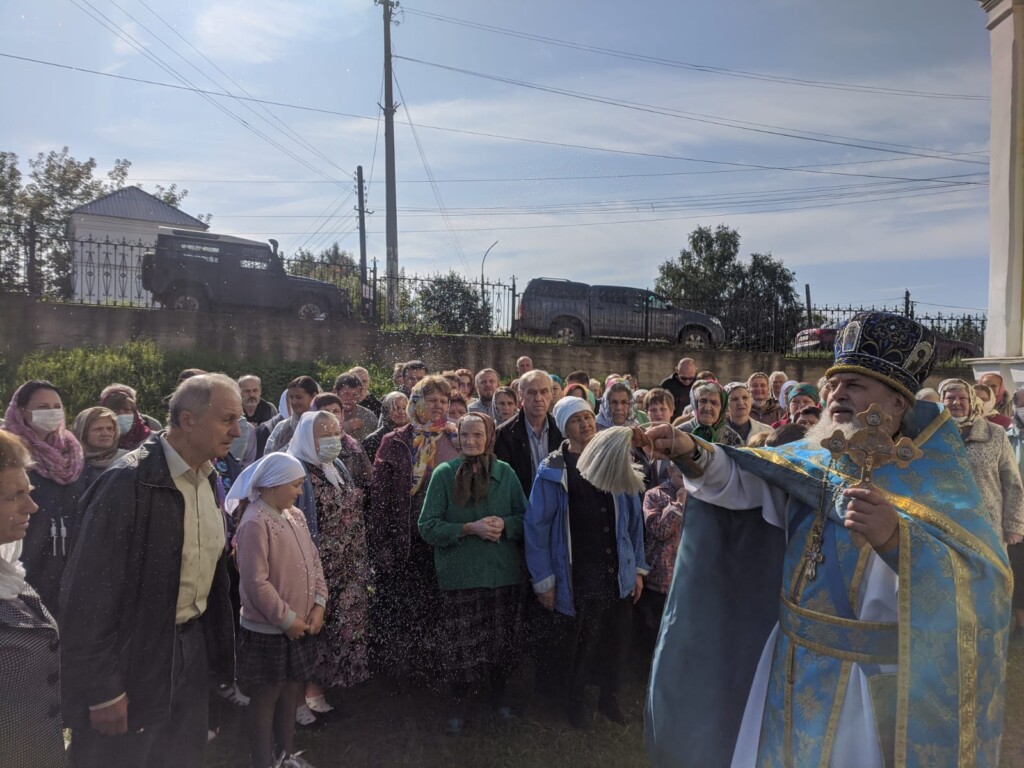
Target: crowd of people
<point>439,536</point>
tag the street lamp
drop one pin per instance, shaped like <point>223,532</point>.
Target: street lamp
<point>482,273</point>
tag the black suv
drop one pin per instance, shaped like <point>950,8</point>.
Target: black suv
<point>572,311</point>
<point>199,271</point>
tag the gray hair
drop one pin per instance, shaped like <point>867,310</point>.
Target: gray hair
<point>250,376</point>
<point>527,378</point>
<point>388,401</point>
<point>193,395</point>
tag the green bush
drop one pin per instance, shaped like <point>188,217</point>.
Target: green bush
<point>81,373</point>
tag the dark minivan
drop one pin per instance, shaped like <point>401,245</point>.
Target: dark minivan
<point>199,271</point>
<point>573,311</point>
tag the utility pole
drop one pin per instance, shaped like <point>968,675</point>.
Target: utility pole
<point>391,224</point>
<point>364,288</point>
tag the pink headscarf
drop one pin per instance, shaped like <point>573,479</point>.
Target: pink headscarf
<point>57,456</point>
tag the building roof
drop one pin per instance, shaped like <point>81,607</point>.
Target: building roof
<point>135,203</point>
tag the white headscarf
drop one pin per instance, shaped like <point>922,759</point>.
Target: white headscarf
<point>272,470</point>
<point>303,446</point>
<point>12,572</point>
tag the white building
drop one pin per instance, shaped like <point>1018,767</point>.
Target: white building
<point>108,237</point>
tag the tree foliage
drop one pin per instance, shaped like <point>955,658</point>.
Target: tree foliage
<point>451,304</point>
<point>36,208</point>
<point>756,301</point>
<point>332,265</point>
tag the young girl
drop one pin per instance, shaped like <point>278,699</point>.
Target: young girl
<point>283,594</point>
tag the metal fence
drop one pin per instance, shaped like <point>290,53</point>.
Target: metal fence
<point>106,273</point>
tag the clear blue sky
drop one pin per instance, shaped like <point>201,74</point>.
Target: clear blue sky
<point>583,185</point>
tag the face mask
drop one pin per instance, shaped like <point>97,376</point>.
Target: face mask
<point>47,419</point>
<point>239,444</point>
<point>125,422</point>
<point>330,448</point>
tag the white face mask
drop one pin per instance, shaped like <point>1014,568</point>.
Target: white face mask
<point>47,419</point>
<point>125,421</point>
<point>330,448</point>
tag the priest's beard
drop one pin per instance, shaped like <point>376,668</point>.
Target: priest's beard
<point>825,427</point>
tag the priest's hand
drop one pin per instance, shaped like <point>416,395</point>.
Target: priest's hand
<point>668,442</point>
<point>870,516</point>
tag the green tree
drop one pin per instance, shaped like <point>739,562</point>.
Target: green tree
<point>34,252</point>
<point>453,305</point>
<point>756,301</point>
<point>332,265</point>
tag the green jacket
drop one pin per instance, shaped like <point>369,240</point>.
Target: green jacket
<point>469,562</point>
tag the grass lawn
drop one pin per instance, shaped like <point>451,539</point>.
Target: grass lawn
<point>384,727</point>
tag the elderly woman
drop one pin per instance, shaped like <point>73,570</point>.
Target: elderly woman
<point>1003,402</point>
<point>472,516</point>
<point>36,415</point>
<point>333,506</point>
<point>98,433</point>
<point>765,407</point>
<point>133,426</point>
<point>991,457</point>
<point>585,552</point>
<point>408,604</point>
<point>740,409</point>
<point>617,408</point>
<point>30,725</point>
<point>795,398</point>
<point>352,455</point>
<point>505,404</point>
<point>392,416</point>
<point>987,397</point>
<point>709,403</point>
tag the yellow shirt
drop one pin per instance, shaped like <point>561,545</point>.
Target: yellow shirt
<point>204,534</point>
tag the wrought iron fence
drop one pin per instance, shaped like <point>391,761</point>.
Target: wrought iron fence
<point>107,273</point>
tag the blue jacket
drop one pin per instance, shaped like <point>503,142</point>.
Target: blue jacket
<point>548,545</point>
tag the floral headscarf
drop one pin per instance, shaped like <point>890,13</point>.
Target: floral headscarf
<point>473,476</point>
<point>709,433</point>
<point>426,433</point>
<point>58,456</point>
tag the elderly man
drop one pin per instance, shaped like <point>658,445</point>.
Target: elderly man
<point>367,399</point>
<point>255,410</point>
<point>679,384</point>
<point>819,619</point>
<point>528,437</point>
<point>145,604</point>
<point>487,382</point>
<point>357,421</point>
<point>523,364</point>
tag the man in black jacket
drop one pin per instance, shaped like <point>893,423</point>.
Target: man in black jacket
<point>145,596</point>
<point>679,384</point>
<point>524,440</point>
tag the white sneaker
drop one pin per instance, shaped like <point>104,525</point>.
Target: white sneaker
<point>319,704</point>
<point>232,694</point>
<point>304,716</point>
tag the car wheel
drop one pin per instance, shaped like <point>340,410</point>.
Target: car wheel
<point>567,331</point>
<point>311,308</point>
<point>694,338</point>
<point>187,300</point>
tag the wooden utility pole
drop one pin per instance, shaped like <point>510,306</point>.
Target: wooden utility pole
<point>364,288</point>
<point>391,214</point>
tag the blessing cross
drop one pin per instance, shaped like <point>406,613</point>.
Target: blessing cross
<point>871,447</point>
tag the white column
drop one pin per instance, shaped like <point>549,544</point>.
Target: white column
<point>1004,334</point>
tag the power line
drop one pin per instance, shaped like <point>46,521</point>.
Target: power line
<point>745,74</point>
<point>741,125</point>
<point>732,166</point>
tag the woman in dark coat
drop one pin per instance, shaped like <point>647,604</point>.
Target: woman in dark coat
<point>30,725</point>
<point>392,416</point>
<point>36,415</point>
<point>405,615</point>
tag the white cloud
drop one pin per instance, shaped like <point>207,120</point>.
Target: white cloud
<point>259,31</point>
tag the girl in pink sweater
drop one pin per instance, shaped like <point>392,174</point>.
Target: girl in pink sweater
<point>283,595</point>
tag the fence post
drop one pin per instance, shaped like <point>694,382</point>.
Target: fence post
<point>515,308</point>
<point>373,296</point>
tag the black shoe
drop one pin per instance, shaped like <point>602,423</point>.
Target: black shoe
<point>609,707</point>
<point>577,714</point>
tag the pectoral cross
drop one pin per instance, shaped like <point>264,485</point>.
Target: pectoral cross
<point>871,447</point>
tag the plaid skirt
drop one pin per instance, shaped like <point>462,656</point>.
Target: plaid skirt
<point>482,630</point>
<point>273,659</point>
